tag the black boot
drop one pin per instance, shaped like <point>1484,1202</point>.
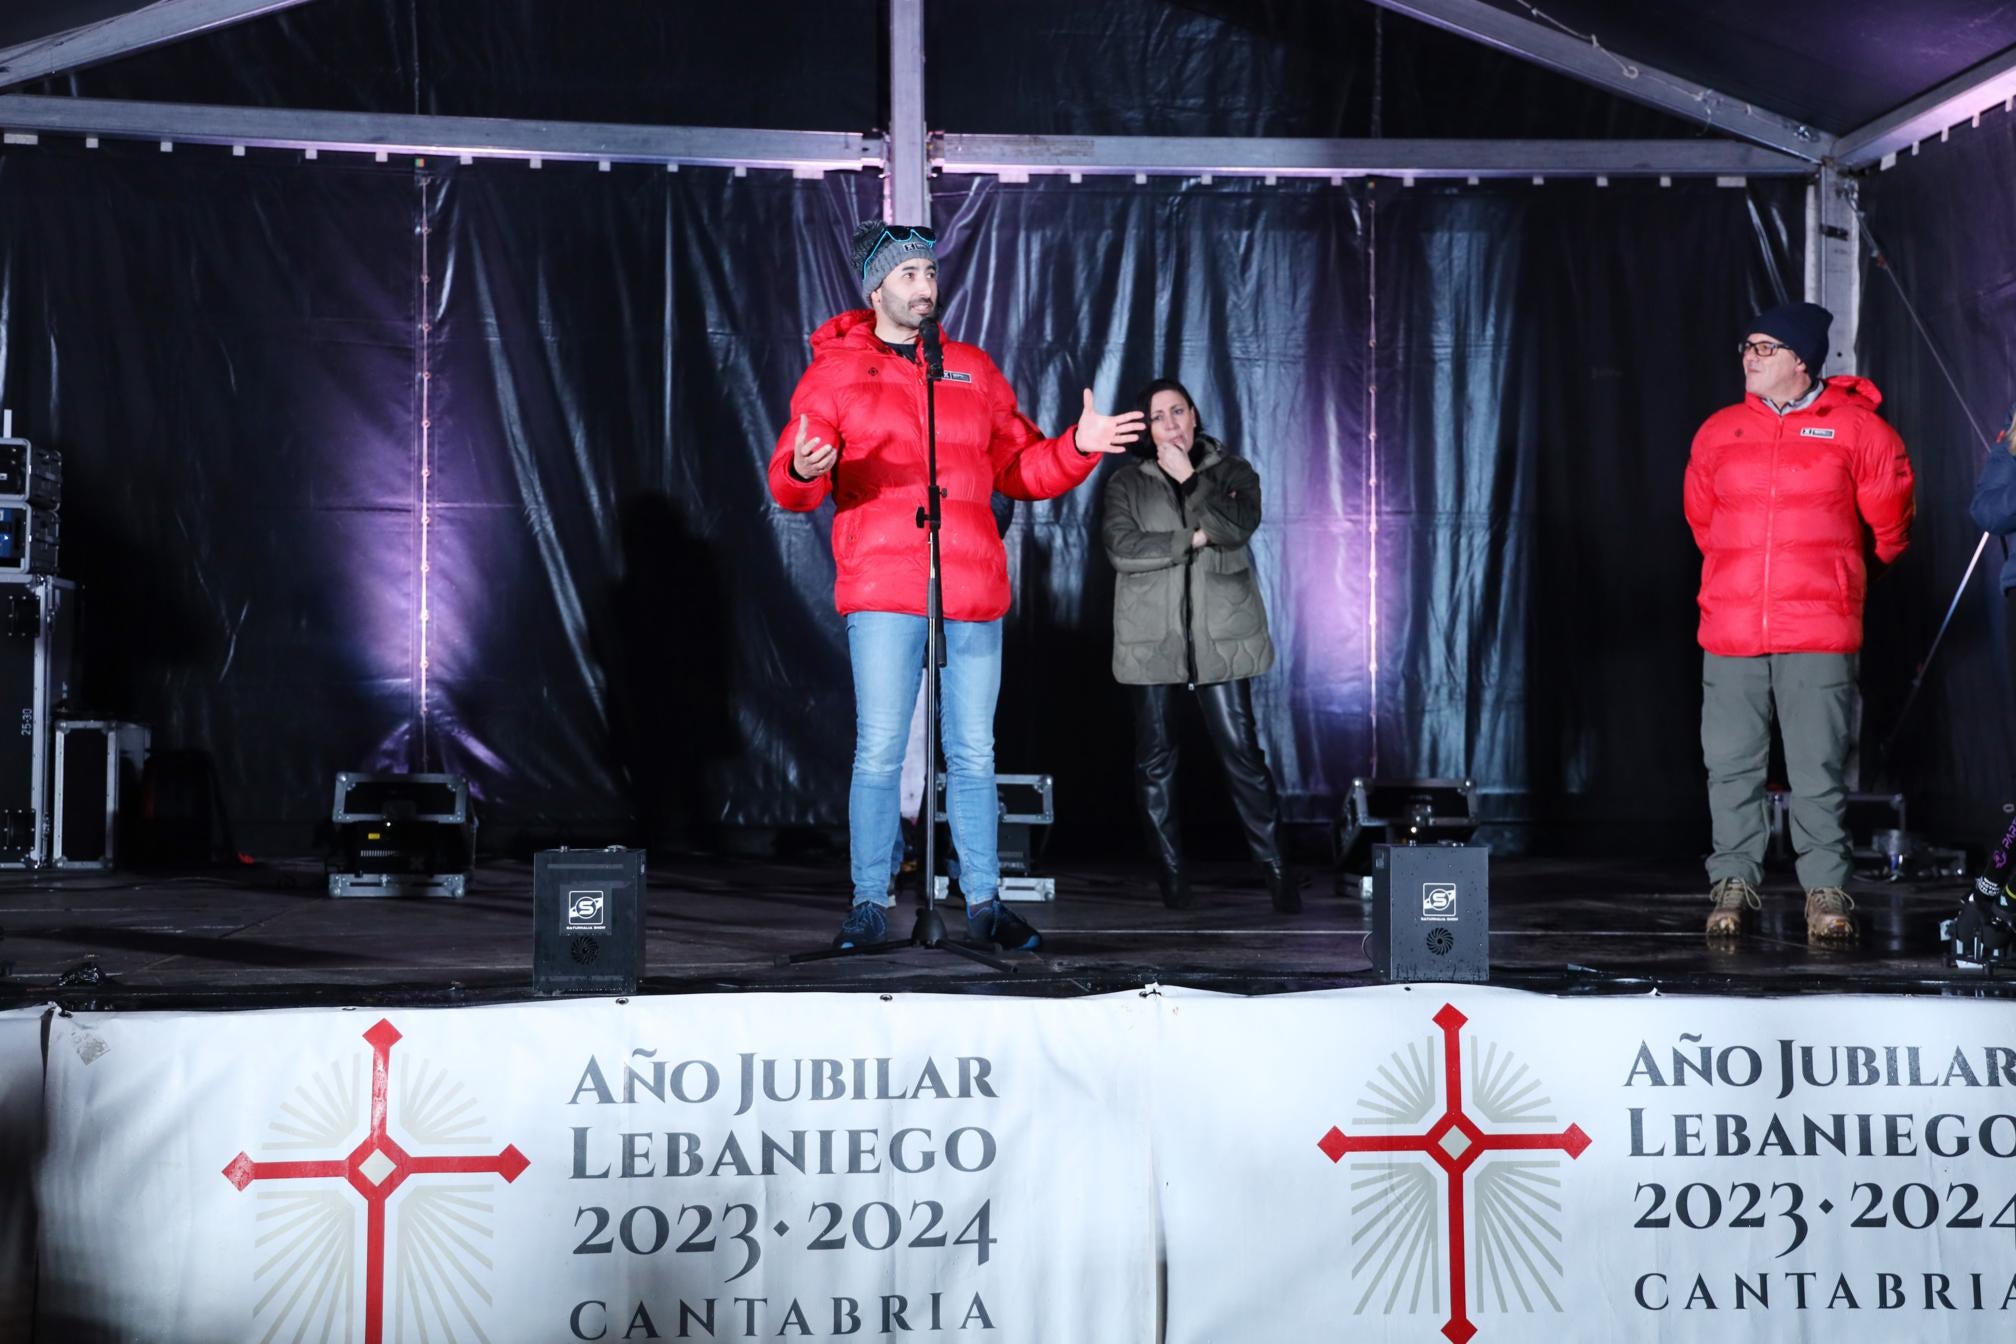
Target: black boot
<point>1228,715</point>
<point>1155,789</point>
<point>1283,888</point>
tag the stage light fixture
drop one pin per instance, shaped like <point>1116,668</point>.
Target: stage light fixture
<point>1027,804</point>
<point>402,835</point>
<point>1401,811</point>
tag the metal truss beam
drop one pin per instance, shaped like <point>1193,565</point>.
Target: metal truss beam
<point>1010,155</point>
<point>1593,64</point>
<point>123,34</point>
<point>1834,263</point>
<point>907,198</point>
<point>1015,155</point>
<point>477,137</point>
<point>1966,95</point>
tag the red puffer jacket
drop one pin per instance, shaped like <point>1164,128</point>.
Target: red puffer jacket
<point>1778,505</point>
<point>871,402</point>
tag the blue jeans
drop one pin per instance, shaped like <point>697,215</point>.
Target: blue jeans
<point>887,650</point>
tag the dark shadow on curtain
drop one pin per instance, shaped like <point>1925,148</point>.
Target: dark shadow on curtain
<point>664,636</point>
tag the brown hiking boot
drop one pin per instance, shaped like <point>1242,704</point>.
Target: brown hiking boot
<point>1827,919</point>
<point>1730,895</point>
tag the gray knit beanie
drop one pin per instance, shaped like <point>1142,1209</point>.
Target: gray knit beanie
<point>880,248</point>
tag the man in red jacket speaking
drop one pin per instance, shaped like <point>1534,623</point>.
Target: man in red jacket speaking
<point>1786,492</point>
<point>857,433</point>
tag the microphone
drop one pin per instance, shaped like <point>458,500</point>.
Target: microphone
<point>929,338</point>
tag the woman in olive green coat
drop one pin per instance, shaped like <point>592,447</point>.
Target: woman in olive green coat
<point>1187,615</point>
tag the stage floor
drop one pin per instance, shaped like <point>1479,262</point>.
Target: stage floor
<point>269,936</point>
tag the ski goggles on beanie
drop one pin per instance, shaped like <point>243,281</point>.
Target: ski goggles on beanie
<point>880,248</point>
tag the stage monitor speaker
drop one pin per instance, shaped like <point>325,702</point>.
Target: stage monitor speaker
<point>1431,912</point>
<point>588,921</point>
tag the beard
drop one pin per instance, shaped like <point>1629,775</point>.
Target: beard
<point>909,316</point>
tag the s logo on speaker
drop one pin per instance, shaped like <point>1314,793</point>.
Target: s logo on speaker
<point>585,910</point>
<point>1438,900</point>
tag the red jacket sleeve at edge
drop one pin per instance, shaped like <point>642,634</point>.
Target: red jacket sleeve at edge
<point>810,400</point>
<point>1699,492</point>
<point>1027,465</point>
<point>1884,488</point>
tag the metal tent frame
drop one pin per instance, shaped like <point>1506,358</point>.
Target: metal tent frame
<point>1750,141</point>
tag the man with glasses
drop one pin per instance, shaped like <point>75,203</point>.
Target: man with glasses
<point>857,433</point>
<point>1787,493</point>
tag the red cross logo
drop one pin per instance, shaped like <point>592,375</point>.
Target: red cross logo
<point>1455,1143</point>
<point>375,1168</point>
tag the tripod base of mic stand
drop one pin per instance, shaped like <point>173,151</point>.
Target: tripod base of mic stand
<point>929,932</point>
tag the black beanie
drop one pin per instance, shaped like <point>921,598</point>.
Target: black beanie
<point>1803,326</point>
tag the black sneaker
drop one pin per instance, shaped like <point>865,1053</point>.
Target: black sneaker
<point>993,922</point>
<point>865,925</point>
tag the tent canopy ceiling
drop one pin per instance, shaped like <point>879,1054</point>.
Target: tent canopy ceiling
<point>26,20</point>
<point>1834,64</point>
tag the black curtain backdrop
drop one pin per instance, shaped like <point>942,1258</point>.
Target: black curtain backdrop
<point>455,467</point>
<point>225,353</point>
<point>1547,353</point>
<point>1943,217</point>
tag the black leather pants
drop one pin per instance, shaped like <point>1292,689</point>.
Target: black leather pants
<point>1228,718</point>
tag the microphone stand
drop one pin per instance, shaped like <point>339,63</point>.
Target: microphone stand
<point>929,930</point>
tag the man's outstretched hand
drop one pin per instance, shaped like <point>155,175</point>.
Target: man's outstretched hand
<point>812,457</point>
<point>1106,433</point>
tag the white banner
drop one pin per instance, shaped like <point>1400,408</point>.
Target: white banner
<point>1379,1164</point>
<point>21,1140</point>
<point>1398,1163</point>
<point>719,1168</point>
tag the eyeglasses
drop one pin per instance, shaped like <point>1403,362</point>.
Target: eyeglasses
<point>1762,349</point>
<point>901,233</point>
